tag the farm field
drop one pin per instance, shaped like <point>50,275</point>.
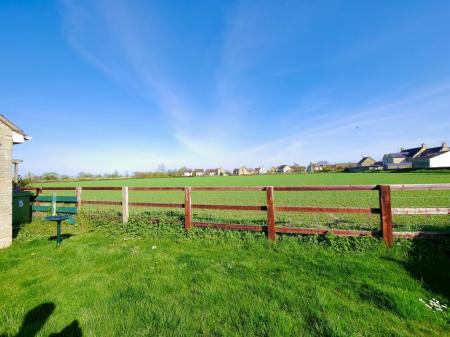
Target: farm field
<point>110,279</point>
<point>437,198</point>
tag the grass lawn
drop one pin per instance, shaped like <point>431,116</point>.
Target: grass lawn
<point>111,279</point>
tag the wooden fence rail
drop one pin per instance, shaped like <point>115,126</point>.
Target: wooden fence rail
<point>385,209</point>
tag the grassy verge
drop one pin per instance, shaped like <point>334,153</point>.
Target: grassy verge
<point>109,279</point>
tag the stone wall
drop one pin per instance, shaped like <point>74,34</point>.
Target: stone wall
<point>5,186</point>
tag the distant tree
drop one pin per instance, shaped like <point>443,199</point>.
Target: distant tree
<point>182,170</point>
<point>161,168</point>
<point>85,175</point>
<point>48,176</point>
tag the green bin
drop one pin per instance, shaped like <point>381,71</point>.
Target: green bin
<point>21,212</point>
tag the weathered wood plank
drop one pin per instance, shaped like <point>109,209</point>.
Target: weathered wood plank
<point>444,186</point>
<point>325,188</point>
<point>324,231</point>
<point>386,214</point>
<point>230,207</point>
<point>149,188</point>
<point>78,191</point>
<point>156,204</point>
<point>421,211</point>
<point>420,235</point>
<point>187,208</point>
<point>271,234</point>
<point>254,228</point>
<point>100,202</point>
<point>228,188</point>
<point>302,209</point>
<point>125,211</point>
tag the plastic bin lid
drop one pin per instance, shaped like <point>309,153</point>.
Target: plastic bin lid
<point>22,193</point>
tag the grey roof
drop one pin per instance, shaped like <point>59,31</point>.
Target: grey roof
<point>12,126</point>
<point>431,152</point>
<point>398,155</point>
<point>365,158</point>
<point>411,152</point>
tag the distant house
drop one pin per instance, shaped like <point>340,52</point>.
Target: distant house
<point>366,161</point>
<point>314,167</point>
<point>199,172</point>
<point>433,157</point>
<point>298,168</point>
<point>339,167</point>
<point>241,171</point>
<point>188,173</point>
<point>422,157</point>
<point>402,159</point>
<point>284,169</point>
<point>366,164</point>
<point>260,170</point>
<point>215,172</point>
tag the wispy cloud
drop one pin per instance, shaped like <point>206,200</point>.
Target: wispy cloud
<point>128,43</point>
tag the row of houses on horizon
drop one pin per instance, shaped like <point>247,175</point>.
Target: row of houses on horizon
<point>418,157</point>
<point>241,171</point>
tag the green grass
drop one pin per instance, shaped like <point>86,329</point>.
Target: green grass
<point>107,280</point>
<point>331,199</point>
<point>276,180</point>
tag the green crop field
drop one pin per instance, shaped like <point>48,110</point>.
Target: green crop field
<point>437,198</point>
<point>277,180</point>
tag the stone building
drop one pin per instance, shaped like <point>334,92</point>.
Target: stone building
<point>9,134</point>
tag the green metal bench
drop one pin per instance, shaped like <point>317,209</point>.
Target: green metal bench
<point>54,208</point>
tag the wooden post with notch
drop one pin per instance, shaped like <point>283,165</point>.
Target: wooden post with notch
<point>78,194</point>
<point>187,208</point>
<point>125,212</point>
<point>270,214</point>
<point>386,214</point>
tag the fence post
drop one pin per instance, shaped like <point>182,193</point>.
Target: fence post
<point>386,214</point>
<point>125,212</point>
<point>53,204</point>
<point>187,208</point>
<point>78,193</point>
<point>270,214</point>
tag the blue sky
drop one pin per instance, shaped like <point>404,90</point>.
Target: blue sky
<point>127,85</point>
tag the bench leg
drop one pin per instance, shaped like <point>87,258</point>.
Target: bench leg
<point>58,233</point>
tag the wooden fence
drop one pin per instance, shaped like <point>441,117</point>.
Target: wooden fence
<point>385,209</point>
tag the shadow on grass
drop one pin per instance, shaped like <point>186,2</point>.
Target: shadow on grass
<point>429,262</point>
<point>377,297</point>
<point>36,318</point>
<point>15,232</point>
<point>63,237</point>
